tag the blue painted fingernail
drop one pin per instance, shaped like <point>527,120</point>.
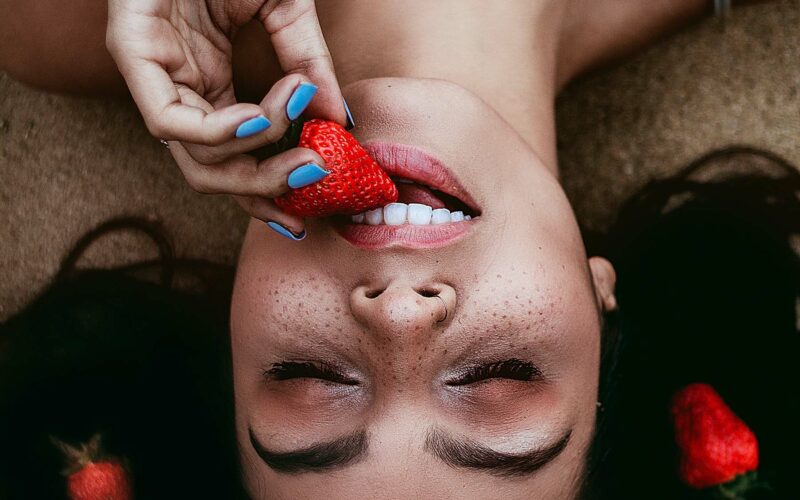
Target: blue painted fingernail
<point>300,100</point>
<point>350,123</point>
<point>307,174</point>
<point>252,127</point>
<point>278,228</point>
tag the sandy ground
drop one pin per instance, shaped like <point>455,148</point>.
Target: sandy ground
<point>67,164</point>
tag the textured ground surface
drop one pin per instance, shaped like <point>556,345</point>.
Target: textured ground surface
<point>711,86</point>
<point>67,164</point>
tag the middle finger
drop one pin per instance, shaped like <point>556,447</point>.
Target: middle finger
<point>285,101</point>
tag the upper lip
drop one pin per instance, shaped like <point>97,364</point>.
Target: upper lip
<point>412,163</point>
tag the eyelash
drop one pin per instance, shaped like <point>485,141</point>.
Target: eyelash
<point>514,369</point>
<point>287,370</point>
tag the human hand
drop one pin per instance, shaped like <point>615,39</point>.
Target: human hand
<point>175,56</point>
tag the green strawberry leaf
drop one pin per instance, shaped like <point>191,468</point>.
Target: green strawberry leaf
<point>290,139</point>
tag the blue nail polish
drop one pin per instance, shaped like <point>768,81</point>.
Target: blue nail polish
<point>252,127</point>
<point>278,228</point>
<point>307,174</point>
<point>350,123</point>
<point>300,100</point>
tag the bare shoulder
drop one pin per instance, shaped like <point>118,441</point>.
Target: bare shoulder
<point>599,31</point>
<point>58,48</point>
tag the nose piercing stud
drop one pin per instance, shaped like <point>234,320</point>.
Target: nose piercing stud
<point>445,308</point>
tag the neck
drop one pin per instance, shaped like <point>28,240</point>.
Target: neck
<point>504,52</point>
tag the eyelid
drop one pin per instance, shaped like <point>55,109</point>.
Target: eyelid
<point>296,369</point>
<point>509,369</point>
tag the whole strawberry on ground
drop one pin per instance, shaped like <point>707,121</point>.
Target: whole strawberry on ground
<point>93,476</point>
<point>356,182</point>
<point>717,449</point>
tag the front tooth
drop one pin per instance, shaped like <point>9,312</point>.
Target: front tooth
<point>419,214</point>
<point>394,214</point>
<point>358,218</point>
<point>374,217</point>
<point>457,216</point>
<point>440,216</point>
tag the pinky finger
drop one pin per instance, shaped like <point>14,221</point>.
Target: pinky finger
<point>264,209</point>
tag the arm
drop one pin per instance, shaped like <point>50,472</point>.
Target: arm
<point>57,48</point>
<point>597,32</point>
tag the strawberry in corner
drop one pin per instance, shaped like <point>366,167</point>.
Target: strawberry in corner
<point>91,475</point>
<point>718,452</point>
<point>356,182</point>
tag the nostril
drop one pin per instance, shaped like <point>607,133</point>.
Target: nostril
<point>428,292</point>
<point>373,294</point>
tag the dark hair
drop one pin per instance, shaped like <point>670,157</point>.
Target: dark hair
<point>704,261</point>
<point>146,363</point>
<point>708,285</point>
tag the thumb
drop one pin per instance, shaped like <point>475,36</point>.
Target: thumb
<point>297,38</point>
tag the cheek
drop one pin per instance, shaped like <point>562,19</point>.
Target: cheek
<point>270,309</point>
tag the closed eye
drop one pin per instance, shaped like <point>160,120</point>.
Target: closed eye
<point>288,370</point>
<point>512,369</point>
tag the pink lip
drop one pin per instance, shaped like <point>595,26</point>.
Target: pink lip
<point>405,236</point>
<point>408,162</point>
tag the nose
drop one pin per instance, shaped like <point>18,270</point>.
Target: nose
<point>403,310</point>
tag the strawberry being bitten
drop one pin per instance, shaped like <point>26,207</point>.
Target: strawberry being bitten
<point>356,182</point>
<point>717,448</point>
<point>93,476</point>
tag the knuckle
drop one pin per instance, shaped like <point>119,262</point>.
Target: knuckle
<point>198,183</point>
<point>206,156</point>
<point>213,139</point>
<point>156,129</point>
<point>273,184</point>
<point>273,191</point>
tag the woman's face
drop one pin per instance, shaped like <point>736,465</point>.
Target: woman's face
<point>447,361</point>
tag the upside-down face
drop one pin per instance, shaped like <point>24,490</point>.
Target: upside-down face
<point>446,350</point>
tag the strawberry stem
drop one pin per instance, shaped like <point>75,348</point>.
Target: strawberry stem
<point>77,458</point>
<point>740,487</point>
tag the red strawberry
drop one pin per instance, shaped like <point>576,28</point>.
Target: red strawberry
<point>91,476</point>
<point>100,480</point>
<point>356,182</point>
<point>715,445</point>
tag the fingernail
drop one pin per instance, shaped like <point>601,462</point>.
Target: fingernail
<point>280,229</point>
<point>300,100</point>
<point>252,127</point>
<point>307,174</point>
<point>350,123</point>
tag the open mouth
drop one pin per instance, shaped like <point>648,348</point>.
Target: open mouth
<point>417,205</point>
<point>433,208</point>
<point>429,194</point>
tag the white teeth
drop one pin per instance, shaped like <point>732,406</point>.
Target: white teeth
<point>374,217</point>
<point>395,214</point>
<point>419,214</point>
<point>440,216</point>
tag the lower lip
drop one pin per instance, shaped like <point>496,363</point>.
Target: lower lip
<point>405,236</point>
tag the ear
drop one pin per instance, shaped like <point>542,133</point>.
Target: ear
<point>605,279</point>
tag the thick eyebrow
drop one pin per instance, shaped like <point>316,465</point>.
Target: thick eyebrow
<point>315,458</point>
<point>465,453</point>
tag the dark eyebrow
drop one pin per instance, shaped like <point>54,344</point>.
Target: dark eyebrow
<point>457,452</point>
<point>315,458</point>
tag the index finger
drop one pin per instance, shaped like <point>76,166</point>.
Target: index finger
<point>297,38</point>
